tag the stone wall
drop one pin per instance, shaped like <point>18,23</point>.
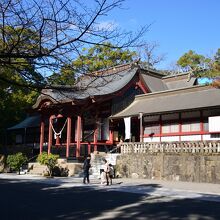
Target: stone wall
<point>63,168</point>
<point>2,163</point>
<point>200,166</point>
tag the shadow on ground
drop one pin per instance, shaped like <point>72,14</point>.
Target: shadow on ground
<point>28,200</point>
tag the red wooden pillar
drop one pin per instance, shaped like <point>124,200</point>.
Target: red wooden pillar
<point>201,124</point>
<point>111,138</point>
<point>42,125</point>
<point>180,126</point>
<point>78,134</point>
<point>57,140</point>
<point>68,136</point>
<point>89,148</point>
<point>50,134</point>
<point>161,124</point>
<point>95,137</point>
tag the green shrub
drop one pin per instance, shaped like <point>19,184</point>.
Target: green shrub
<point>49,160</point>
<point>16,161</point>
<point>60,171</point>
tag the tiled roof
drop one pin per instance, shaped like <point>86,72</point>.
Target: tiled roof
<point>91,86</point>
<point>112,80</point>
<point>30,121</point>
<point>196,97</point>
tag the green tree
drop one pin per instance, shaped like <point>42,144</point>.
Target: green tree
<point>17,96</point>
<point>26,40</point>
<point>93,59</point>
<point>192,61</point>
<point>16,161</point>
<point>216,63</point>
<point>200,65</point>
<point>49,160</point>
<point>14,99</point>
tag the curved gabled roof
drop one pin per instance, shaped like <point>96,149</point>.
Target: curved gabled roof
<point>89,86</point>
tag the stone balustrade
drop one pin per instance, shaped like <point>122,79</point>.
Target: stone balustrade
<point>196,147</point>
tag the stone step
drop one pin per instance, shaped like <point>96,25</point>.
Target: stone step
<point>38,171</point>
<point>39,167</point>
<point>36,168</point>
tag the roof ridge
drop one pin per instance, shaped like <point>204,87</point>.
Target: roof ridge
<point>119,66</point>
<point>170,91</point>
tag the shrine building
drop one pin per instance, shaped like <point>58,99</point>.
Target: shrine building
<point>126,103</point>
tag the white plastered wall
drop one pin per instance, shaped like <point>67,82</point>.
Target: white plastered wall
<point>152,139</point>
<point>169,138</point>
<point>191,138</point>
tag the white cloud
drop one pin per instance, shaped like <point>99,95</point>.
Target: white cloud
<point>106,25</point>
<point>133,21</point>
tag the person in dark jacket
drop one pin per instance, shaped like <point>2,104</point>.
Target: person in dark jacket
<point>86,167</point>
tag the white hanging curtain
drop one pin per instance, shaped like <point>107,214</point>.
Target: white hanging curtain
<point>105,129</point>
<point>214,124</point>
<point>127,122</point>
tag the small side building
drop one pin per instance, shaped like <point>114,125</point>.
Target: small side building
<point>177,115</point>
<point>24,136</point>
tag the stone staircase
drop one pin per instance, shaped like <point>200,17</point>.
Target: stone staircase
<point>97,162</point>
<point>36,169</point>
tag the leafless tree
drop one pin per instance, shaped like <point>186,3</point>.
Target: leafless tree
<point>148,54</point>
<point>47,34</point>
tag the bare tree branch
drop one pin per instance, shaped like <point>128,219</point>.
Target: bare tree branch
<point>148,54</point>
<point>51,33</point>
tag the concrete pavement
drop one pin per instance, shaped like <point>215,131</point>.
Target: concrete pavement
<point>181,190</point>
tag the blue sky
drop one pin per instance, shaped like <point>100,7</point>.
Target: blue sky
<point>177,25</point>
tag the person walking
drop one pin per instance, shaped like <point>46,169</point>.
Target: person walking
<point>111,173</point>
<point>86,167</point>
<point>106,170</point>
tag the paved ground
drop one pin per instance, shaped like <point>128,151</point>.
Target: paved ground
<point>202,191</point>
<point>34,197</point>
